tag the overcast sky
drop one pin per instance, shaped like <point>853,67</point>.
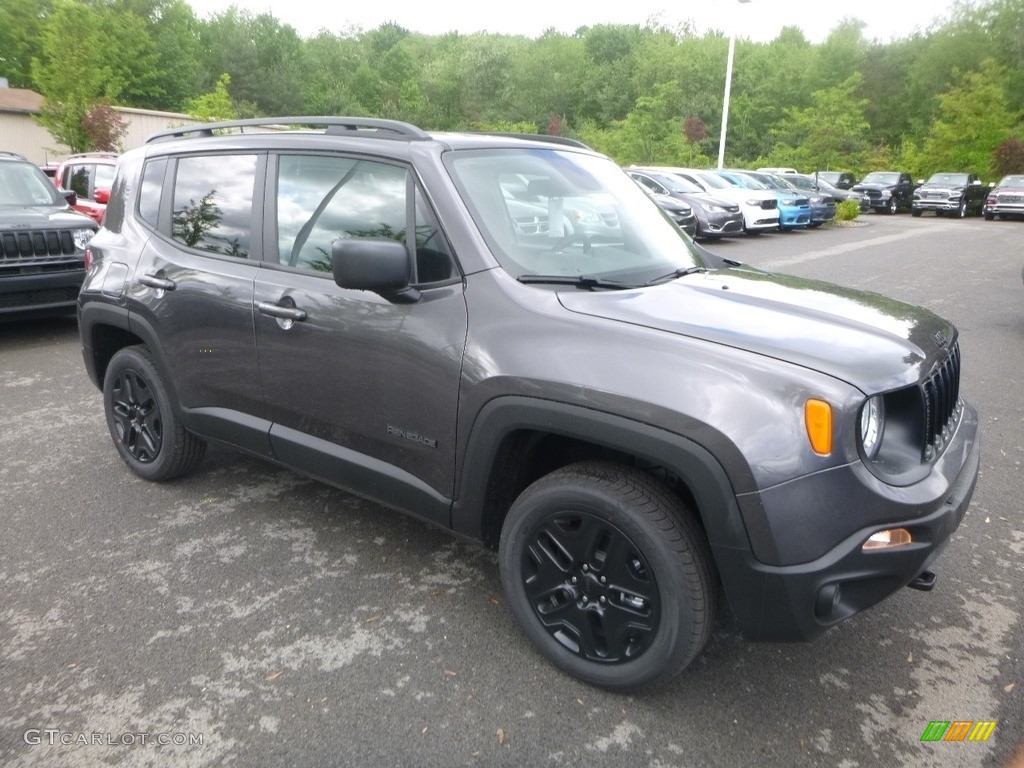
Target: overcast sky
<point>758,20</point>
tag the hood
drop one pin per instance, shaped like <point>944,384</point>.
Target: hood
<point>876,187</point>
<point>930,186</point>
<point>42,217</point>
<point>870,341</point>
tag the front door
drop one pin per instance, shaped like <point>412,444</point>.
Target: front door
<point>362,392</point>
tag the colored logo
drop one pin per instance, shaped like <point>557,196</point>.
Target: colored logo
<point>958,730</point>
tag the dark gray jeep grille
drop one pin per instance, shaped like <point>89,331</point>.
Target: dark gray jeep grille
<point>37,244</point>
<point>941,395</point>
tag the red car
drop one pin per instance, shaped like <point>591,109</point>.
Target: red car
<point>90,176</point>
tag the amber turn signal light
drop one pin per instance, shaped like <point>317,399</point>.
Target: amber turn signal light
<point>818,418</point>
<point>895,537</point>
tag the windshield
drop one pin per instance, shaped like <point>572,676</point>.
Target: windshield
<point>678,184</point>
<point>881,177</point>
<point>553,212</point>
<point>1012,181</point>
<point>713,180</point>
<point>23,184</point>
<point>953,179</point>
<point>774,182</point>
<point>746,182</point>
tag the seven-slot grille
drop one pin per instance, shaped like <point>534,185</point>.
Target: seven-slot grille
<point>941,394</point>
<point>36,244</point>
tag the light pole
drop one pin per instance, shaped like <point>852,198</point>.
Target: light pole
<point>725,100</point>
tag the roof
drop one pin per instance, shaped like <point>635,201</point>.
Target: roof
<point>20,100</point>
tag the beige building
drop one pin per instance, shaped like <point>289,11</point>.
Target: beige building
<point>19,131</point>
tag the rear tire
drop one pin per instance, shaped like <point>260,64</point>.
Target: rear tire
<point>146,432</point>
<point>609,574</point>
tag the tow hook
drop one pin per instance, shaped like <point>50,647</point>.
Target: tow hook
<point>925,581</point>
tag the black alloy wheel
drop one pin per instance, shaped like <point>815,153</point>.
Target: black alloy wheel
<point>142,423</point>
<point>894,206</point>
<point>608,574</point>
<point>961,210</point>
<point>137,420</point>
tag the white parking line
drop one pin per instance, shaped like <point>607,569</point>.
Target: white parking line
<point>836,250</point>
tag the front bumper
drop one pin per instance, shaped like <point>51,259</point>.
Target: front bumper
<point>722,224</point>
<point>948,205</point>
<point>793,218</point>
<point>52,287</point>
<point>800,601</point>
<point>1004,209</point>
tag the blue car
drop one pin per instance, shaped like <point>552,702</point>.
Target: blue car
<point>794,209</point>
<point>823,205</point>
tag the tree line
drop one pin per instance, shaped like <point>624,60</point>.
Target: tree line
<point>947,98</point>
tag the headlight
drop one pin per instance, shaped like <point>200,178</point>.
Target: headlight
<point>755,202</point>
<point>885,193</point>
<point>586,217</point>
<point>82,238</point>
<point>872,420</point>
<point>712,208</point>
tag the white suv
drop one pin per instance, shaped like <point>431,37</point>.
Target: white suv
<point>760,208</point>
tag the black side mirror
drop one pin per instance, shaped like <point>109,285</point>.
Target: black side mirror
<point>70,196</point>
<point>377,265</point>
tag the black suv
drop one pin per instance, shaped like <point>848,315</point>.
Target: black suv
<point>636,425</point>
<point>42,241</point>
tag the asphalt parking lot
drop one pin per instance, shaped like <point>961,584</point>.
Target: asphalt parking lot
<point>246,615</point>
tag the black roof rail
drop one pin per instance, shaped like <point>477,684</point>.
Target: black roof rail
<point>388,129</point>
<point>564,141</point>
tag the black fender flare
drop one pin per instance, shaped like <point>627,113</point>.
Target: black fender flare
<point>713,493</point>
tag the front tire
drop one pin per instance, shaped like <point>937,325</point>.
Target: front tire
<point>609,574</point>
<point>146,432</point>
<point>894,206</point>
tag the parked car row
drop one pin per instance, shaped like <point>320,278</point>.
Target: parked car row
<point>735,201</point>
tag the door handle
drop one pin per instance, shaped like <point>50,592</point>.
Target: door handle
<point>282,313</point>
<point>159,283</point>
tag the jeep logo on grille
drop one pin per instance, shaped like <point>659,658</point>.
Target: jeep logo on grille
<point>942,338</point>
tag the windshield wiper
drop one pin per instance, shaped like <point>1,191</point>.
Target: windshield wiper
<point>576,281</point>
<point>680,272</point>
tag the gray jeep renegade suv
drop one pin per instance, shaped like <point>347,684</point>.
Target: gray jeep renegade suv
<point>506,336</point>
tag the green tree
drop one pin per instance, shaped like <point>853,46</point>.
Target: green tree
<point>216,105</point>
<point>831,133</point>
<point>548,80</point>
<point>112,55</point>
<point>972,121</point>
<point>21,23</point>
<point>323,91</point>
<point>263,58</point>
<point>652,134</point>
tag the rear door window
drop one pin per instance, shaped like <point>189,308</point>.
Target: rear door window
<point>213,203</point>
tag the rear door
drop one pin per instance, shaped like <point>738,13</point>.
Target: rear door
<point>362,392</point>
<point>193,289</point>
